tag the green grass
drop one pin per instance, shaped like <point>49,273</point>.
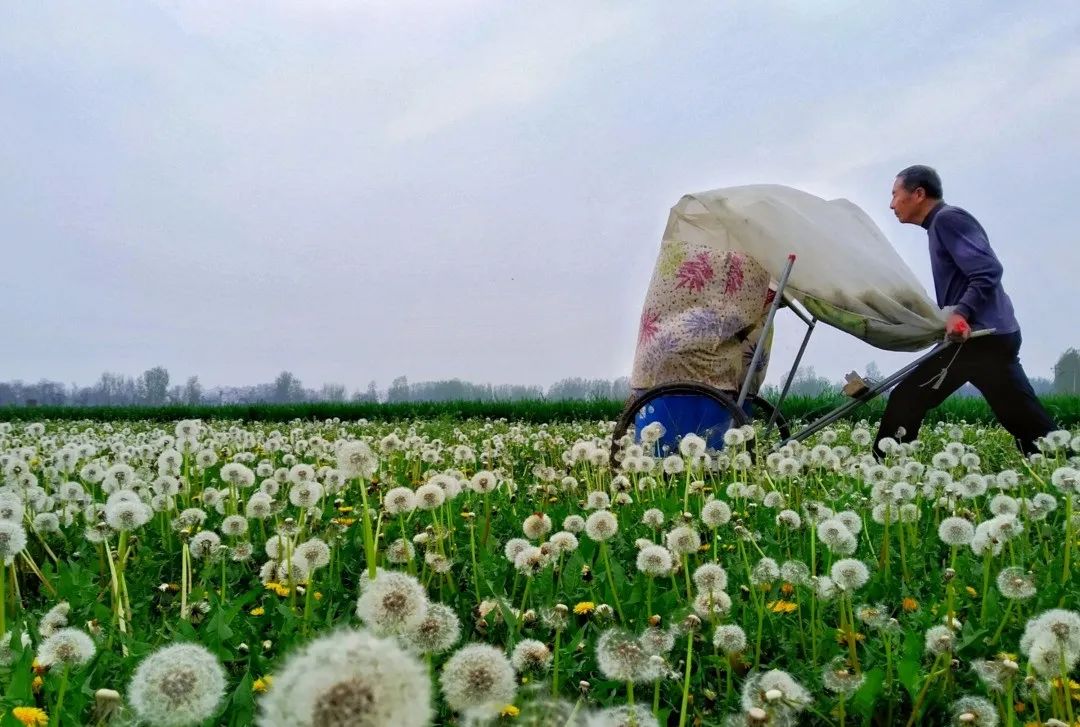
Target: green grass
<point>1064,409</point>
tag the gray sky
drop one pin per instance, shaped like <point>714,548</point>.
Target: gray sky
<point>476,189</point>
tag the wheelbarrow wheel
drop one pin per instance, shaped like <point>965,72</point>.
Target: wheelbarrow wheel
<point>626,419</point>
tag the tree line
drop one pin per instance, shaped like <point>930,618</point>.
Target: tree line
<point>154,387</point>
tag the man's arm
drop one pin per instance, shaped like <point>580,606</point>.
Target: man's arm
<point>970,250</point>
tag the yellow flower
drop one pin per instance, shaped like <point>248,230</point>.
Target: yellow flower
<point>282,590</point>
<point>37,684</point>
<point>345,508</point>
<point>909,605</point>
<point>344,521</point>
<point>510,711</point>
<point>971,591</point>
<point>783,607</point>
<point>318,595</point>
<point>31,716</point>
<point>262,684</point>
<point>272,586</point>
<point>584,608</point>
<point>787,589</point>
<point>257,611</point>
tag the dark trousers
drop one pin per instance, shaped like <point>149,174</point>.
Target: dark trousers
<point>992,365</point>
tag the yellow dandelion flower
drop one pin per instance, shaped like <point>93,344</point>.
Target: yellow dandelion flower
<point>345,508</point>
<point>262,684</point>
<point>787,589</point>
<point>37,684</point>
<point>31,716</point>
<point>783,607</point>
<point>272,586</point>
<point>282,590</point>
<point>344,521</point>
<point>510,711</point>
<point>257,611</point>
<point>971,591</point>
<point>584,608</point>
<point>318,595</point>
<point>909,605</point>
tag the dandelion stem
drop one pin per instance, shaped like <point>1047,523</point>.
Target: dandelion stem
<point>1001,625</point>
<point>611,580</point>
<point>3,603</point>
<point>1065,569</point>
<point>56,715</point>
<point>686,679</point>
<point>555,667</point>
<point>472,551</point>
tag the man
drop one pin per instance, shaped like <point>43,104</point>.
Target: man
<point>967,279</point>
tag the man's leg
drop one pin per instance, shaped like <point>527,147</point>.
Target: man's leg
<point>916,395</point>
<point>1008,391</point>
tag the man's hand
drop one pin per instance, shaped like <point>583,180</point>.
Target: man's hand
<point>957,328</point>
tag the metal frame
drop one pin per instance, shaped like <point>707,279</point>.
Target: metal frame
<point>811,323</point>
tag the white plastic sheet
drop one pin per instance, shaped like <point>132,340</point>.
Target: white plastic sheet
<point>705,308</point>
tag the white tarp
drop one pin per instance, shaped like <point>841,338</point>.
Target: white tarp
<point>846,272</point>
<point>705,309</point>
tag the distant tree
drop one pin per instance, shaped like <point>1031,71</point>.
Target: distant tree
<point>398,391</point>
<point>332,392</point>
<point>873,372</point>
<point>287,388</point>
<point>192,391</point>
<point>153,386</point>
<point>807,383</point>
<point>1067,373</point>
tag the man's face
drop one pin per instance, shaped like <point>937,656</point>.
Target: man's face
<point>906,205</point>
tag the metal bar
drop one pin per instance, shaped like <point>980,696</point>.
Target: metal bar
<point>791,375</point>
<point>759,349</point>
<point>801,312</point>
<point>866,396</point>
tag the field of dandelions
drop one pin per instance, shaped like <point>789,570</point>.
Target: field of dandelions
<point>486,572</point>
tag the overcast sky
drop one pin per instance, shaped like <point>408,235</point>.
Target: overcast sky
<point>477,189</point>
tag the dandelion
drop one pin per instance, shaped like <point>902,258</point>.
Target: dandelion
<point>621,657</point>
<point>355,459</point>
<point>655,561</point>
<point>715,513</point>
<point>478,680</point>
<point>574,524</point>
<point>69,647</point>
<point>838,679</point>
<point>439,630</point>
<point>12,541</point>
<point>400,551</point>
<point>683,540</point>
<point>850,574</point>
<point>775,690</point>
<point>940,640</point>
<point>653,518</point>
<point>730,639</point>
<point>531,657</point>
<point>601,526</point>
<point>401,500</point>
<point>711,577</point>
<point>765,571</point>
<point>622,716</point>
<point>975,711</point>
<point>563,542</point>
<point>956,531</point>
<point>483,482</point>
<point>349,677</point>
<point>536,526</point>
<point>177,685</point>
<point>1016,584</point>
<point>30,716</point>
<point>392,603</point>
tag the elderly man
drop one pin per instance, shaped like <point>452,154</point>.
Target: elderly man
<point>967,279</point>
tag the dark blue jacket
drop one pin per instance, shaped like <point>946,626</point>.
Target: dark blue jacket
<point>967,273</point>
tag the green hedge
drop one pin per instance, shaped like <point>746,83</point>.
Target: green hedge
<point>1064,409</point>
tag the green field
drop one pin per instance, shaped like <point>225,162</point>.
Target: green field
<point>1064,409</point>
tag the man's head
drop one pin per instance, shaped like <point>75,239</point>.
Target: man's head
<point>914,193</point>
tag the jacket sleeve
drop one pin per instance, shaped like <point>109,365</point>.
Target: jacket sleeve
<point>969,248</point>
